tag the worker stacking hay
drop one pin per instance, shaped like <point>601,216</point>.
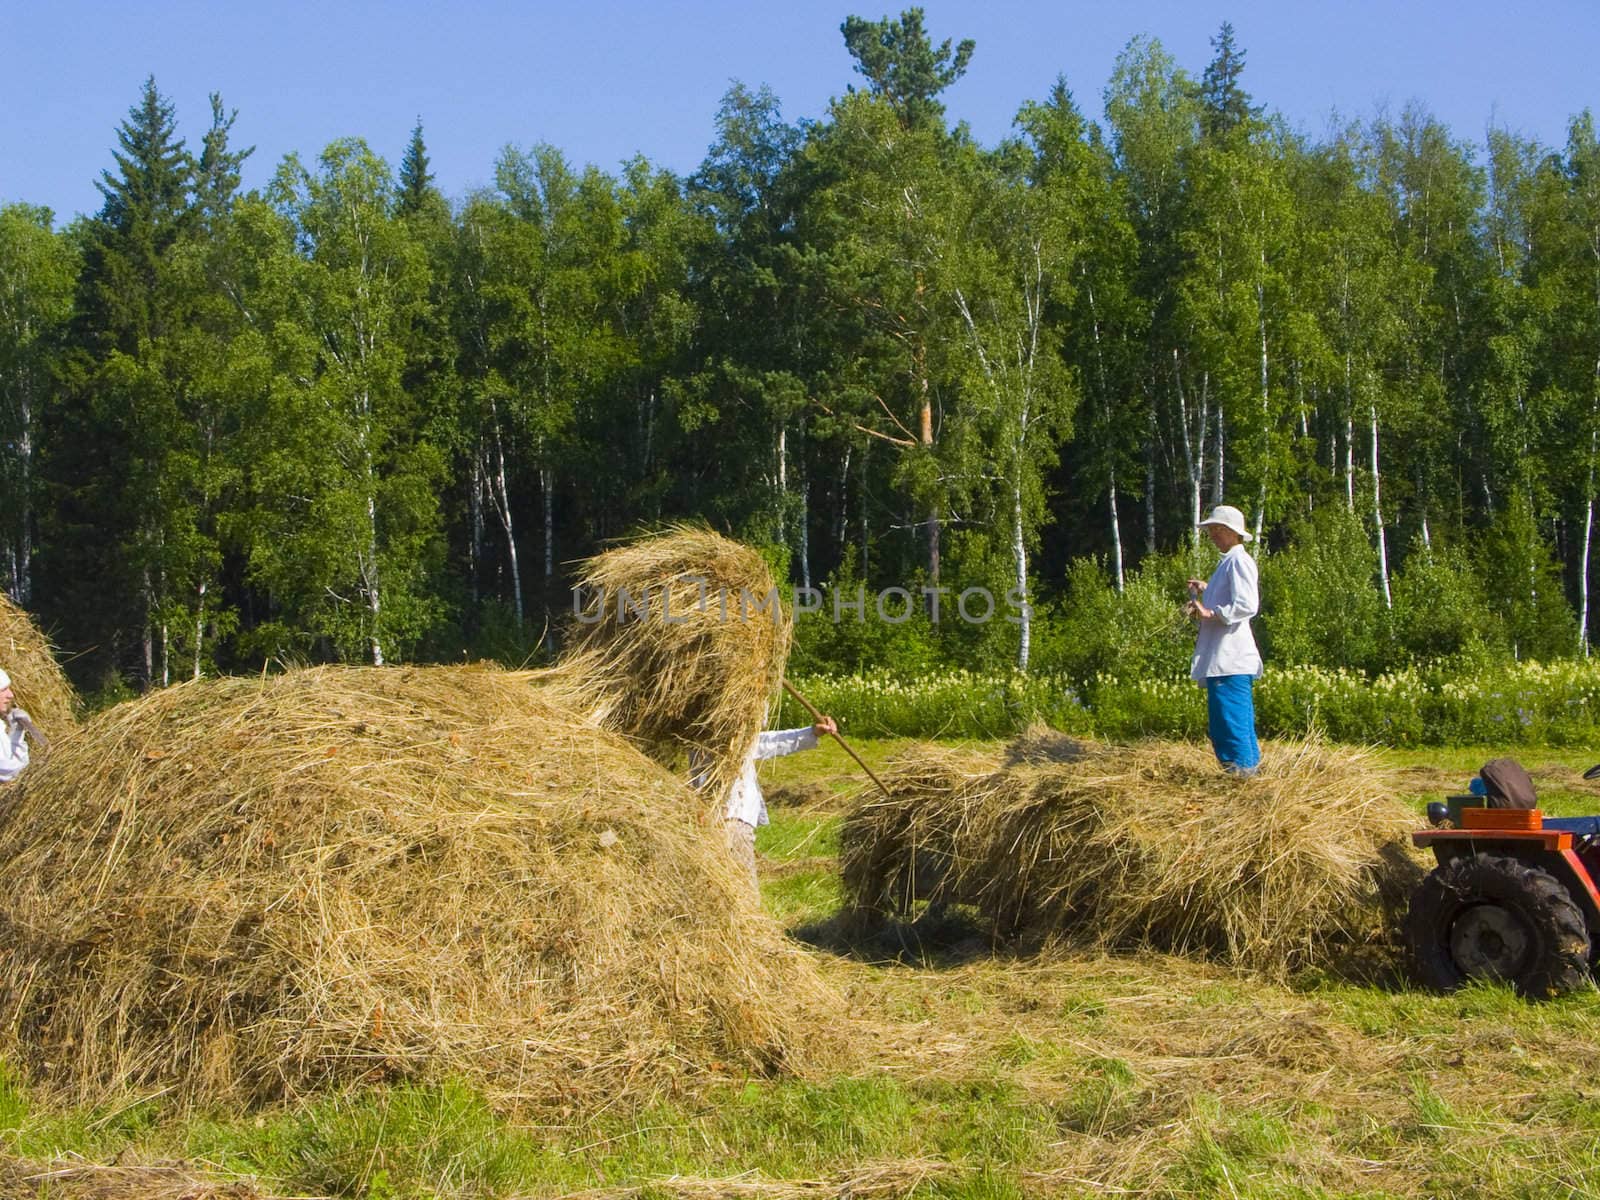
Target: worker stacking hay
<point>37,679</point>
<point>1122,846</point>
<point>681,643</point>
<point>246,889</point>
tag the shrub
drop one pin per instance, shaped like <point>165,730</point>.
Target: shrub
<point>1319,602</point>
<point>1454,703</point>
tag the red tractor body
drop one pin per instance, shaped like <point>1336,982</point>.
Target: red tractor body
<point>1513,898</point>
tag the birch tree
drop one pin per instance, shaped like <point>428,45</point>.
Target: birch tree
<point>347,510</point>
<point>37,268</point>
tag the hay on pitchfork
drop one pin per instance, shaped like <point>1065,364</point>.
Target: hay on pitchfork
<point>240,890</point>
<point>37,680</point>
<point>1142,845</point>
<point>681,644</point>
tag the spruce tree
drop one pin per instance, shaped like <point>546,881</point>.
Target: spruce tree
<point>1225,105</point>
<point>416,194</point>
<point>109,437</point>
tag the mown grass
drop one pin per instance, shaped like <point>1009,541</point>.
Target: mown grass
<point>988,1075</point>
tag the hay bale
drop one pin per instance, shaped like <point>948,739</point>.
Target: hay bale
<point>38,682</point>
<point>1143,845</point>
<point>246,889</point>
<point>682,646</point>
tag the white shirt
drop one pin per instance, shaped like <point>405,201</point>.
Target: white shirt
<point>1224,645</point>
<point>13,747</point>
<point>745,801</point>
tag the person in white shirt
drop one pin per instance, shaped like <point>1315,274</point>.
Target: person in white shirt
<point>14,740</point>
<point>747,807</point>
<point>1226,661</point>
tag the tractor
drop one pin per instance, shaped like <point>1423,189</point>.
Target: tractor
<point>1513,898</point>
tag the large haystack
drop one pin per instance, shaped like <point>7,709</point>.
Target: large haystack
<point>37,679</point>
<point>682,645</point>
<point>1118,846</point>
<point>242,889</point>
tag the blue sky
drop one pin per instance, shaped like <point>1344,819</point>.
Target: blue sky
<point>606,79</point>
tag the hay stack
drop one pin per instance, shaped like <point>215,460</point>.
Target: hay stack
<point>37,679</point>
<point>1118,846</point>
<point>243,889</point>
<point>696,668</point>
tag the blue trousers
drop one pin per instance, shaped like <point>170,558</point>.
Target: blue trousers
<point>1231,722</point>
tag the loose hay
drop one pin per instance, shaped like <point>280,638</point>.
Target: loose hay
<point>69,1180</point>
<point>682,646</point>
<point>1150,844</point>
<point>37,680</point>
<point>244,889</point>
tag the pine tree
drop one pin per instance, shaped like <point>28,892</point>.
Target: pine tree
<point>216,176</point>
<point>902,65</point>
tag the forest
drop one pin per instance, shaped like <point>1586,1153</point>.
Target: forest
<point>348,418</point>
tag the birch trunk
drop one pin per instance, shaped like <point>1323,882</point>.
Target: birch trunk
<point>1588,542</point>
<point>1019,555</point>
<point>1194,447</point>
<point>935,516</point>
<point>1266,407</point>
<point>804,533</point>
<point>1219,483</point>
<point>1150,482</point>
<point>475,505</point>
<point>374,593</point>
<point>500,493</point>
<point>547,494</point>
<point>148,636</point>
<point>783,482</point>
<point>1377,514</point>
<point>1116,531</point>
<point>199,626</point>
<point>1105,410</point>
<point>842,528</point>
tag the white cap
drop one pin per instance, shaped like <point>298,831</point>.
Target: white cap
<point>1228,517</point>
<point>5,680</point>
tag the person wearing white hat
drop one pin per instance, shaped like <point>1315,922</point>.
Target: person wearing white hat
<point>14,740</point>
<point>1226,661</point>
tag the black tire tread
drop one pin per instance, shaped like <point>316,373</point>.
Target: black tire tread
<point>1560,963</point>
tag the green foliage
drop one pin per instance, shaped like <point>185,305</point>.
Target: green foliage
<point>1319,600</point>
<point>1464,702</point>
<point>1138,633</point>
<point>857,628</point>
<point>902,65</point>
<point>1441,609</point>
<point>349,419</point>
<point>949,703</point>
<point>1523,586</point>
<point>37,269</point>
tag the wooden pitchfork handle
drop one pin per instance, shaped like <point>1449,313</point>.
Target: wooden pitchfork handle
<point>816,715</point>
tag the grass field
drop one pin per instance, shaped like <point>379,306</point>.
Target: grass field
<point>984,1074</point>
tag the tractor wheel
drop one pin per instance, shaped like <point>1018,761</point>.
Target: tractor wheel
<point>1490,917</point>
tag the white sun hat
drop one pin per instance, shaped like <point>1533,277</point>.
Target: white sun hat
<point>1228,517</point>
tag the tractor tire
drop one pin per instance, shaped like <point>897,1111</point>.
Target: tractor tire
<point>1491,917</point>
